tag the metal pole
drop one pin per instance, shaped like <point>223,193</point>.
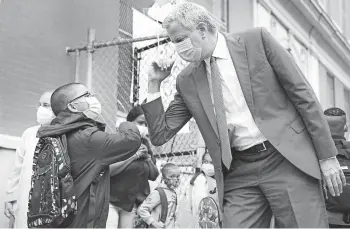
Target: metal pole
<point>77,66</point>
<point>117,42</point>
<point>90,50</point>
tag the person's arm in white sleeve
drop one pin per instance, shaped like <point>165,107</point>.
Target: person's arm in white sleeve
<point>11,194</point>
<point>13,179</point>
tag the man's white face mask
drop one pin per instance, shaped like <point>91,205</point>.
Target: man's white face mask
<point>187,51</point>
<point>44,115</point>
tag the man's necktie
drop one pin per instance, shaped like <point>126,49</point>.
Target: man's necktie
<point>220,113</point>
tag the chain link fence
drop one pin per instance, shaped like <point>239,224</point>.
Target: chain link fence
<point>119,78</point>
<point>117,72</point>
<point>104,84</point>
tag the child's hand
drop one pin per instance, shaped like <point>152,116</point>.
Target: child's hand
<point>142,152</point>
<point>158,224</point>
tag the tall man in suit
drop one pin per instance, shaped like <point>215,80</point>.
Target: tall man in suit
<point>260,120</point>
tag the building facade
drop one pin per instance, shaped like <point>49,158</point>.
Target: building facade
<point>316,33</point>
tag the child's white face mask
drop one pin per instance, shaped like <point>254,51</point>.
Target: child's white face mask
<point>208,169</point>
<point>143,131</point>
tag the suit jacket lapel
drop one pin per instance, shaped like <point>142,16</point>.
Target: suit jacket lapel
<point>238,54</point>
<point>202,85</point>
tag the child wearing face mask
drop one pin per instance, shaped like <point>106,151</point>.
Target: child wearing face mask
<point>129,179</point>
<point>151,209</point>
<point>203,184</point>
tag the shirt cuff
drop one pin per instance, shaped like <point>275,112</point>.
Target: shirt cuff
<point>152,97</point>
<point>328,158</point>
<point>150,221</point>
<point>10,197</point>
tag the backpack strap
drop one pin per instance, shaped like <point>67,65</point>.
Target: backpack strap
<point>195,177</point>
<point>92,199</point>
<point>66,160</point>
<point>164,204</point>
<point>92,203</point>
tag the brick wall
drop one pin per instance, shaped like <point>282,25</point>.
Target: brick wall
<point>32,50</point>
<point>34,35</point>
<point>7,160</point>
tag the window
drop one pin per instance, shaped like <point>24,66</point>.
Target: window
<point>324,4</point>
<point>263,17</point>
<point>224,11</point>
<point>280,32</point>
<point>345,18</point>
<point>330,96</point>
<point>299,52</point>
<point>336,12</point>
<point>313,73</point>
<point>218,8</point>
<point>347,109</point>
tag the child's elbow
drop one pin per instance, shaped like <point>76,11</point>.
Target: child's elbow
<point>154,176</point>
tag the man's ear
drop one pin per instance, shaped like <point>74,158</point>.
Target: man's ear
<point>346,128</point>
<point>72,108</point>
<point>203,29</point>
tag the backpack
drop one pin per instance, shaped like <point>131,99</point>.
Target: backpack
<point>208,209</point>
<point>209,214</point>
<point>53,195</point>
<point>341,203</point>
<point>139,223</point>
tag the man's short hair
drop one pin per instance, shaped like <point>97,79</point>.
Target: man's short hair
<point>168,167</point>
<point>334,111</point>
<point>61,97</point>
<point>189,15</point>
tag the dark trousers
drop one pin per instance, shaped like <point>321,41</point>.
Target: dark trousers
<point>265,183</point>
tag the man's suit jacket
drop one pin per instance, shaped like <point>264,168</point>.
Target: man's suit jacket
<point>282,103</point>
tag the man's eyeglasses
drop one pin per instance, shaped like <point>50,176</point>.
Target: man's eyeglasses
<point>86,94</point>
